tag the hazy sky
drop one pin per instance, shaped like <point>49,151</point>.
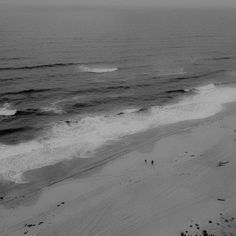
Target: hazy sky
<point>178,3</point>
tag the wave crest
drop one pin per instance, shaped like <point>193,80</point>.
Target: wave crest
<point>6,110</point>
<point>90,69</point>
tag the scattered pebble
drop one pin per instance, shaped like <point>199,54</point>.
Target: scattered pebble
<point>221,199</point>
<point>62,203</point>
<point>205,232</point>
<point>30,225</point>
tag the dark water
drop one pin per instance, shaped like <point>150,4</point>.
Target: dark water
<point>98,69</point>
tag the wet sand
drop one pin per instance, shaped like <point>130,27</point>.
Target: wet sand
<point>189,188</point>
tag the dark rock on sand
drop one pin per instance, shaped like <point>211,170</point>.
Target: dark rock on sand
<point>62,203</point>
<point>222,163</point>
<point>221,199</point>
<point>29,225</point>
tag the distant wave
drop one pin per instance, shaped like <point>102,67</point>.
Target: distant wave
<point>79,137</point>
<point>102,89</point>
<point>37,112</point>
<point>221,58</point>
<point>3,80</point>
<point>6,110</point>
<point>97,69</point>
<point>202,75</point>
<point>5,132</point>
<point>101,101</point>
<point>11,58</point>
<point>38,66</point>
<point>28,91</point>
<point>29,111</point>
<point>177,91</point>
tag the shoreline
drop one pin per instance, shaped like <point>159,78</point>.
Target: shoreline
<point>71,139</point>
<point>36,180</point>
<point>109,178</point>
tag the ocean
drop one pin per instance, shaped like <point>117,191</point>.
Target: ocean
<point>75,79</point>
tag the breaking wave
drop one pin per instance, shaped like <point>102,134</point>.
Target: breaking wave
<point>80,137</point>
<point>6,110</point>
<point>97,69</point>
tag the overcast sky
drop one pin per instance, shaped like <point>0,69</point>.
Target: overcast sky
<point>178,3</point>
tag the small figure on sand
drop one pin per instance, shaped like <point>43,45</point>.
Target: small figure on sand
<point>145,160</point>
<point>152,162</point>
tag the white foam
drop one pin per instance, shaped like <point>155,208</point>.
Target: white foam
<point>207,88</point>
<point>179,71</point>
<point>79,138</point>
<point>91,69</point>
<point>6,110</point>
<point>52,108</point>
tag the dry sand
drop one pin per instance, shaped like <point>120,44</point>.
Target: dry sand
<point>190,187</point>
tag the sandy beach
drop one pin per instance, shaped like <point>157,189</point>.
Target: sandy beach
<point>189,188</point>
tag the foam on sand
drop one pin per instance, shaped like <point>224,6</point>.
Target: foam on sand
<point>80,137</point>
<point>90,69</point>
